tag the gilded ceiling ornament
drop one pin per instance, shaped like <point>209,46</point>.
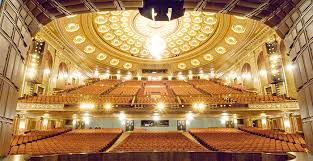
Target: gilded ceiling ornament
<point>210,20</point>
<point>72,27</point>
<point>220,50</point>
<point>101,20</point>
<point>71,16</point>
<point>208,57</point>
<point>238,28</point>
<point>79,39</point>
<point>89,49</point>
<point>108,36</point>
<point>175,51</point>
<point>101,56</point>
<point>120,34</point>
<point>185,47</point>
<point>116,42</point>
<point>103,12</point>
<point>103,28</point>
<point>134,50</point>
<point>125,47</point>
<point>209,13</point>
<point>231,40</point>
<point>207,29</point>
<point>114,62</point>
<point>132,28</point>
<point>195,62</point>
<point>127,65</point>
<point>182,66</point>
<point>240,17</point>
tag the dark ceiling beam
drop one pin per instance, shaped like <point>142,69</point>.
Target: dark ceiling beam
<point>91,6</point>
<point>60,7</point>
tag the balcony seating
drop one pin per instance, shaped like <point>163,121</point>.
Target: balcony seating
<point>234,140</point>
<point>96,88</point>
<point>157,141</point>
<point>122,93</point>
<point>214,88</point>
<point>77,141</point>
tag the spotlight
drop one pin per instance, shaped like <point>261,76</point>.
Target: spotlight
<point>189,116</point>
<point>156,117</point>
<point>108,106</point>
<point>160,106</point>
<point>162,10</point>
<point>87,106</point>
<point>122,116</point>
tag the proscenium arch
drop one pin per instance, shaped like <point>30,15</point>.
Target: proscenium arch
<point>269,12</point>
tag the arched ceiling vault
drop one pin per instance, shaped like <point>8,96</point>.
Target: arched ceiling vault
<point>118,39</point>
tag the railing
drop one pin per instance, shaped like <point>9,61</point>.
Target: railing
<point>166,156</point>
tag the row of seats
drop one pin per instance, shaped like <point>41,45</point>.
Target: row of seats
<point>157,141</point>
<point>151,100</point>
<point>36,135</point>
<point>214,88</point>
<point>77,141</point>
<point>274,134</point>
<point>234,140</point>
<point>96,88</point>
<point>125,91</point>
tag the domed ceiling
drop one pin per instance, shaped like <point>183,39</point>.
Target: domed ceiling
<point>121,39</point>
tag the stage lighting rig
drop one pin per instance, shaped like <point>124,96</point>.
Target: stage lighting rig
<point>162,10</point>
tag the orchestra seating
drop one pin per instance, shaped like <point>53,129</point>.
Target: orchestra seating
<point>76,141</point>
<point>36,135</point>
<point>275,134</point>
<point>158,141</point>
<point>96,88</point>
<point>234,140</point>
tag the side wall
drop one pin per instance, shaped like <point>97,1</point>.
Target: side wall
<point>15,22</point>
<point>297,28</point>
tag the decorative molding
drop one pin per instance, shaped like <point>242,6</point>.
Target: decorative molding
<point>275,106</point>
<point>39,107</point>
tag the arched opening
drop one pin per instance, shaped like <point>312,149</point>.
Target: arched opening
<point>246,76</point>
<point>62,76</point>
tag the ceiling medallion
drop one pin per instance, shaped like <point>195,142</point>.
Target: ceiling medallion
<point>114,61</point>
<point>72,27</point>
<point>101,56</point>
<point>220,50</point>
<point>231,40</point>
<point>195,62</point>
<point>79,39</point>
<point>208,57</point>
<point>182,66</point>
<point>100,20</point>
<point>89,49</point>
<point>181,35</point>
<point>127,65</point>
<point>238,28</point>
<point>210,20</point>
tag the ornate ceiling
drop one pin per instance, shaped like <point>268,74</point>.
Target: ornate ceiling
<point>119,39</point>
